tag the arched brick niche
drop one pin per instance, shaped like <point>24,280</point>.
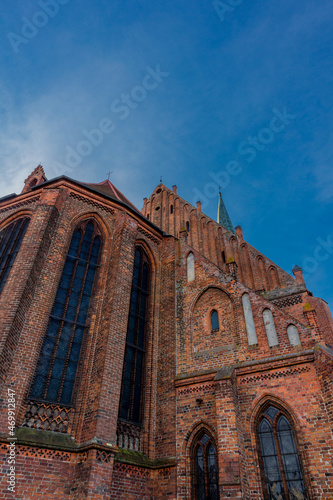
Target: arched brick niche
<point>204,337</point>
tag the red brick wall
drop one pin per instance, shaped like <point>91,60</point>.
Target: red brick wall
<point>37,476</point>
<point>195,378</point>
<point>131,483</point>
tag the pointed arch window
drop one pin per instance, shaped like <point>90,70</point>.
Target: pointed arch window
<point>56,371</point>
<point>171,209</point>
<point>134,364</point>
<point>187,226</point>
<point>214,320</point>
<point>10,240</point>
<point>280,463</point>
<point>204,469</point>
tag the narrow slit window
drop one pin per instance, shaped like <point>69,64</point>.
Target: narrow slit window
<point>214,320</point>
<point>171,209</point>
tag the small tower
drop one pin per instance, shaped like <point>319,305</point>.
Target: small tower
<point>36,177</point>
<point>223,216</point>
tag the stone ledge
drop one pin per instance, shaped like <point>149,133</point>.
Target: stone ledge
<point>281,293</point>
<point>138,458</point>
<point>55,441</point>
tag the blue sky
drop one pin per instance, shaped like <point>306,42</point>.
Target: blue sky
<point>225,76</point>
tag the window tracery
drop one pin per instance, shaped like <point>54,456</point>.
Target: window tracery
<point>57,367</point>
<point>281,469</point>
<point>204,468</point>
<point>10,240</point>
<point>133,372</point>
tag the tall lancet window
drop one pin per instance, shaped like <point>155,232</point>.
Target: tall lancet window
<point>280,462</point>
<point>57,366</point>
<point>10,240</point>
<point>204,469</point>
<point>134,364</point>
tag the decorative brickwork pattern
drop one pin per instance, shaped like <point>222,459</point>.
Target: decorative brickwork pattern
<point>148,235</point>
<point>164,472</point>
<point>275,375</point>
<point>48,417</point>
<point>198,388</point>
<point>289,301</point>
<point>82,457</point>
<point>41,453</point>
<point>131,469</point>
<point>104,456</point>
<point>92,203</point>
<point>128,435</point>
<point>19,205</point>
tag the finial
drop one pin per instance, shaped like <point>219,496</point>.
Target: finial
<point>161,179</point>
<point>108,174</point>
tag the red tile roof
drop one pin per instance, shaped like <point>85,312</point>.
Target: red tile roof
<point>106,187</point>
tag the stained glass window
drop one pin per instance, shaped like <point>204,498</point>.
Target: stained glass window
<point>10,241</point>
<point>214,319</point>
<point>282,472</point>
<point>57,366</point>
<point>132,384</point>
<point>205,470</point>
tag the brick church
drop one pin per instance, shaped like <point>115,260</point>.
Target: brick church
<point>154,355</point>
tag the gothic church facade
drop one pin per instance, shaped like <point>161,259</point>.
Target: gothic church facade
<point>155,354</point>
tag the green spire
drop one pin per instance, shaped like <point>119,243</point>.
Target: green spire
<point>223,216</point>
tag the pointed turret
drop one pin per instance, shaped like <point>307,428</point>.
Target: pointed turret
<point>36,177</point>
<point>223,216</point>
